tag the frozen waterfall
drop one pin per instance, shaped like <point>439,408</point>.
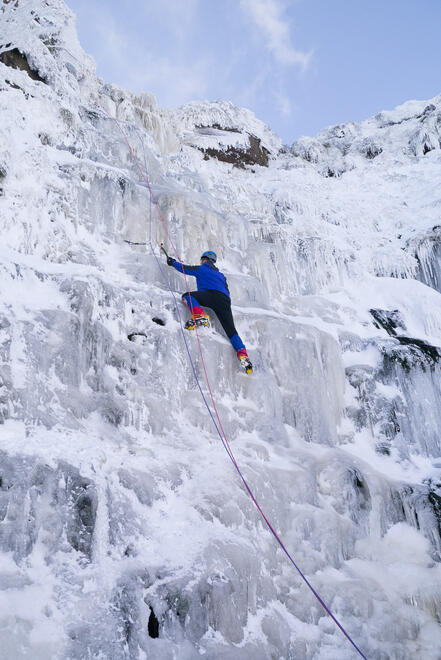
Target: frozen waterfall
<point>125,532</point>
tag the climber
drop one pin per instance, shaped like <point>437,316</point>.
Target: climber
<point>212,292</point>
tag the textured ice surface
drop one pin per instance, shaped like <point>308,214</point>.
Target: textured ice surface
<point>124,529</point>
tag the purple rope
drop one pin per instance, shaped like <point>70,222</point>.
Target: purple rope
<point>227,449</point>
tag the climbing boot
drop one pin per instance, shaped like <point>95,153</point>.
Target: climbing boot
<point>198,320</point>
<point>245,361</point>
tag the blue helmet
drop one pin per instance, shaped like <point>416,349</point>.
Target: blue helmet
<point>209,255</point>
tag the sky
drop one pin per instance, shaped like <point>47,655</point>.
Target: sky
<point>299,65</point>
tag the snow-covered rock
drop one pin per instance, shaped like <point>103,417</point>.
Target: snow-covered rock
<point>229,134</point>
<point>125,531</point>
<point>412,129</point>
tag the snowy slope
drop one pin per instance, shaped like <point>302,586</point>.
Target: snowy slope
<point>125,531</point>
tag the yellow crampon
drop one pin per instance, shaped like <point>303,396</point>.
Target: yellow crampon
<point>246,364</point>
<point>199,321</point>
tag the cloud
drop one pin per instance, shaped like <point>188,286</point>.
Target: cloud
<point>172,49</point>
<point>267,15</point>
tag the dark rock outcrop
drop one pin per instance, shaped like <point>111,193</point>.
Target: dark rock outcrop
<point>256,154</point>
<point>416,351</point>
<point>17,60</point>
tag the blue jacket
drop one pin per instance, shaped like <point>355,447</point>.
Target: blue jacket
<point>208,277</point>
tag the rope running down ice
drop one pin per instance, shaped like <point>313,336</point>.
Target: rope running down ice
<point>218,424</point>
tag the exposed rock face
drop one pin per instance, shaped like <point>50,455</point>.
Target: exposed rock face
<point>255,154</point>
<point>226,134</point>
<point>17,60</point>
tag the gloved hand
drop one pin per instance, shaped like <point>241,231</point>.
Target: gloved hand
<point>169,261</point>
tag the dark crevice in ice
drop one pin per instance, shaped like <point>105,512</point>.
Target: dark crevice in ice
<point>434,498</point>
<point>132,336</point>
<point>2,177</point>
<point>82,506</point>
<point>153,625</point>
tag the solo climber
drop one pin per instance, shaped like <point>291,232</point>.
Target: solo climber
<point>212,292</point>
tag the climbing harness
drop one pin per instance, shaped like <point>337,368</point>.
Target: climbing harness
<point>214,417</point>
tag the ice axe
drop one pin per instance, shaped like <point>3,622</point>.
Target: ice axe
<point>163,249</point>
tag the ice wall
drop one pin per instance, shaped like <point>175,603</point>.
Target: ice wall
<point>125,531</point>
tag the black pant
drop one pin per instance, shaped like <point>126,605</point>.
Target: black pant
<point>219,303</point>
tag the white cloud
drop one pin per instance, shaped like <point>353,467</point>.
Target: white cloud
<point>267,16</point>
<point>166,47</point>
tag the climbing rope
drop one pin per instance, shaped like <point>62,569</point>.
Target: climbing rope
<point>214,417</point>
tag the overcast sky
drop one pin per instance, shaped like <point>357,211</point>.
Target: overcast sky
<point>300,65</point>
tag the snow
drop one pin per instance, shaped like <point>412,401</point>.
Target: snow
<point>117,498</point>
